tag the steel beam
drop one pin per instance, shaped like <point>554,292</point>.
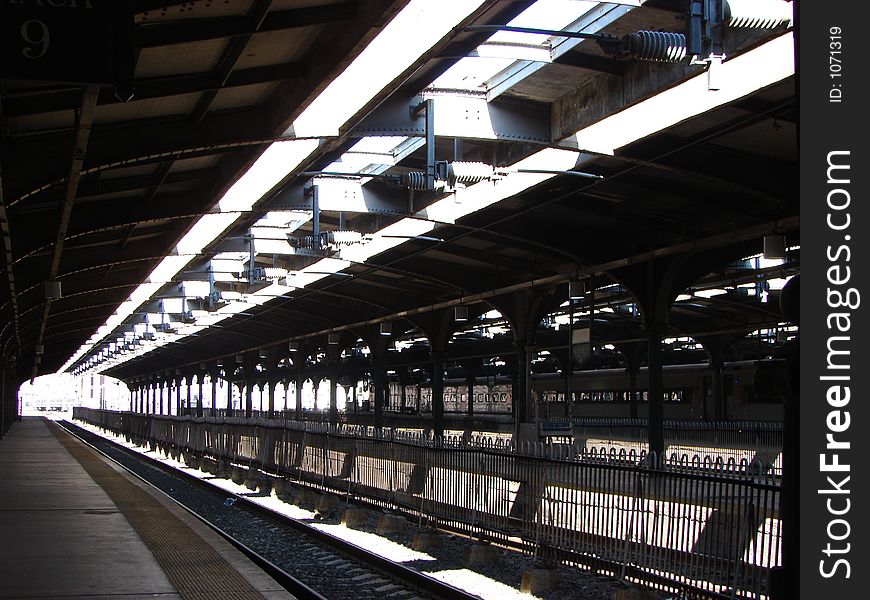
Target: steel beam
<point>83,131</point>
<point>41,100</point>
<point>467,116</point>
<point>154,140</point>
<point>598,98</point>
<point>340,194</point>
<point>150,35</point>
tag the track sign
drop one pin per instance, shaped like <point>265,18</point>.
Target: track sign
<point>77,41</point>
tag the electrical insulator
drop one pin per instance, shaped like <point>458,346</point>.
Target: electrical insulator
<point>415,180</point>
<point>343,237</point>
<point>659,46</point>
<point>305,241</point>
<point>327,238</point>
<point>757,14</point>
<point>468,173</point>
<point>274,273</point>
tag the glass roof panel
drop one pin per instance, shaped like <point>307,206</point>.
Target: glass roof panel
<point>472,73</point>
<point>368,154</point>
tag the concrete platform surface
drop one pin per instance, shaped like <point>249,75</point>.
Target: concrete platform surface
<point>62,535</point>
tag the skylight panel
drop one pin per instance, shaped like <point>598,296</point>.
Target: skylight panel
<point>268,170</point>
<point>372,154</point>
<point>378,144</point>
<point>206,229</point>
<point>289,219</point>
<point>473,72</point>
<point>544,14</point>
<point>591,17</point>
<point>195,289</point>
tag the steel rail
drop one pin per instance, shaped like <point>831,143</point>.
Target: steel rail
<point>398,571</point>
<point>287,581</point>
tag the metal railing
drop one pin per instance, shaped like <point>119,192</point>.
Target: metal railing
<point>723,448</point>
<point>694,533</point>
<point>693,444</point>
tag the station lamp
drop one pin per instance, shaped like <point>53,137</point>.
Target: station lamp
<point>460,314</point>
<point>293,346</point>
<point>332,339</point>
<point>53,290</point>
<point>386,328</point>
<point>774,246</point>
<point>576,289</point>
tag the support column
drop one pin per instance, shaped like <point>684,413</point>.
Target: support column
<point>379,383</point>
<point>784,579</point>
<point>214,386</point>
<point>270,411</point>
<point>470,380</point>
<point>718,399</point>
<point>404,380</point>
<point>179,407</point>
<point>632,351</point>
<point>249,398</point>
<point>299,383</point>
<point>438,394</point>
<point>471,367</point>
<point>333,395</point>
<point>656,430</point>
<point>632,390</point>
<point>229,394</point>
<point>187,382</point>
<point>718,348</point>
<point>524,411</point>
<point>199,402</point>
<point>214,377</point>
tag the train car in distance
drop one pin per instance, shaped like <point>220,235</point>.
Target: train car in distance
<point>751,390</point>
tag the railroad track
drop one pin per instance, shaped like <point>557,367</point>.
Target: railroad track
<point>309,563</point>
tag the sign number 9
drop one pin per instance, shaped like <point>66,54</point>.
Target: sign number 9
<point>35,34</point>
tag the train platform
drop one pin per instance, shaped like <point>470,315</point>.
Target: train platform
<point>77,526</point>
